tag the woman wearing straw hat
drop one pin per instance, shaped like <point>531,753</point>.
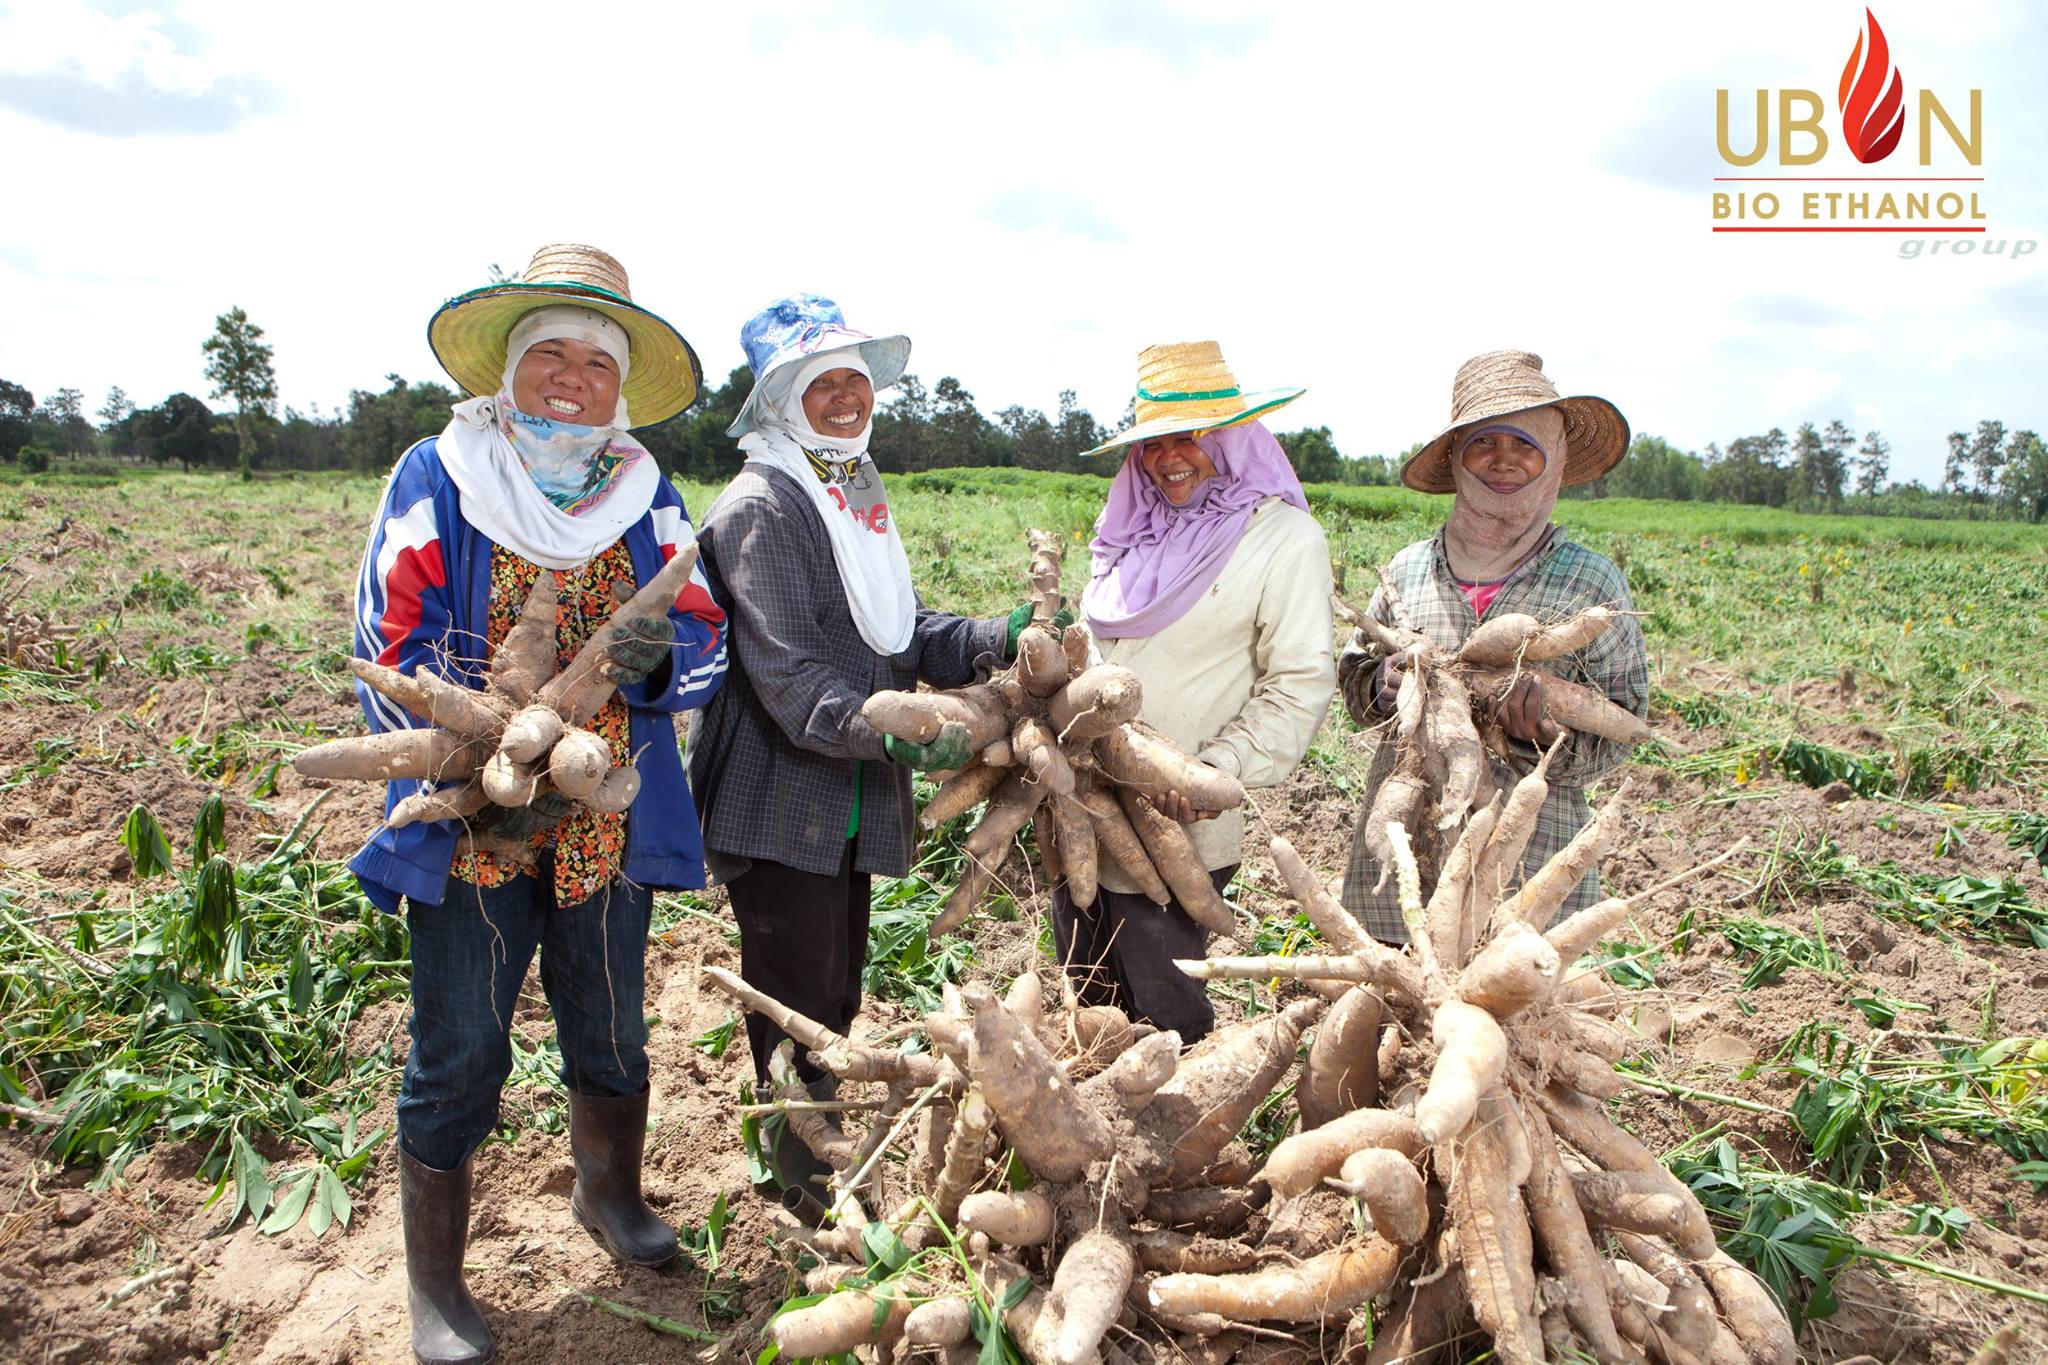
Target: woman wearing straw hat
<point>1511,444</point>
<point>535,474</point>
<point>1210,581</point>
<point>803,801</point>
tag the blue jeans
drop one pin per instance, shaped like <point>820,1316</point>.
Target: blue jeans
<point>469,959</point>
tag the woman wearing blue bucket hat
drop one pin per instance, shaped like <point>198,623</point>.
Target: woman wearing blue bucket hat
<point>802,800</point>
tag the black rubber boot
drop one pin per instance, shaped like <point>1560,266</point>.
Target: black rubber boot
<point>800,1176</point>
<point>447,1326</point>
<point>607,1135</point>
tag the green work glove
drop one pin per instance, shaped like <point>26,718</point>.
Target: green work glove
<point>646,642</point>
<point>522,822</point>
<point>1020,617</point>
<point>949,750</point>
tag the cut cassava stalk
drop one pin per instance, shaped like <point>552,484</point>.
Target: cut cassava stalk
<point>832,1050</point>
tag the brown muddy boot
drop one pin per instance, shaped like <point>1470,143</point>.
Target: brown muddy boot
<point>607,1134</point>
<point>447,1326</point>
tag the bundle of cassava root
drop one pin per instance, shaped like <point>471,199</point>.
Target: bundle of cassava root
<point>1454,1181</point>
<point>521,738</point>
<point>1057,737</point>
<point>1443,714</point>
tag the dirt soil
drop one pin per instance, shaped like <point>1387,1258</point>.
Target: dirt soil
<point>66,1249</point>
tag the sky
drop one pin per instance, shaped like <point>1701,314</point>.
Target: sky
<point>1349,197</point>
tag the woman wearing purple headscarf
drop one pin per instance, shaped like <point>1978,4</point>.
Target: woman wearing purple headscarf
<point>1211,582</point>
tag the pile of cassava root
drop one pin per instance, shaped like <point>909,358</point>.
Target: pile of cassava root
<point>1444,726</point>
<point>1453,1184</point>
<point>518,742</point>
<point>1056,734</point>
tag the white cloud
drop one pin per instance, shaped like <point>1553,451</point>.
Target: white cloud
<point>1348,198</point>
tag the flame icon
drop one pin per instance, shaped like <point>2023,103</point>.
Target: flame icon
<point>1873,114</point>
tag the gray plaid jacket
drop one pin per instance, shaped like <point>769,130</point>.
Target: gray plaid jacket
<point>772,758</point>
<point>1563,578</point>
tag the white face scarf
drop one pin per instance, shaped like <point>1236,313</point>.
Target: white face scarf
<point>1490,534</point>
<point>846,488</point>
<point>502,460</point>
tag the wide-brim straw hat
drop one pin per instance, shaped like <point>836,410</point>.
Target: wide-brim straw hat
<point>1500,384</point>
<point>1187,386</point>
<point>803,327</point>
<point>470,332</point>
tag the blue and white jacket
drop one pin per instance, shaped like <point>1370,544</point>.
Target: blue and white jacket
<point>422,601</point>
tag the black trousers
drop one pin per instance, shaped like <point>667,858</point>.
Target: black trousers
<point>803,940</point>
<point>1120,951</point>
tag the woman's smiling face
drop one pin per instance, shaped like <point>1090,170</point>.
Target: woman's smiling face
<point>839,403</point>
<point>1176,465</point>
<point>570,381</point>
<point>1502,460</point>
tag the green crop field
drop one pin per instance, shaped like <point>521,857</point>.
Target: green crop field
<point>199,1013</point>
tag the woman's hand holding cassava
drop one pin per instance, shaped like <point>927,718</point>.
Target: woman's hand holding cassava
<point>949,751</point>
<point>646,641</point>
<point>1520,712</point>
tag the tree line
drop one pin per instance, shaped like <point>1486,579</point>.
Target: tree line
<point>1988,472</point>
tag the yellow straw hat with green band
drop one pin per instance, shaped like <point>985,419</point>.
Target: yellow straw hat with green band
<point>1186,386</point>
<point>469,333</point>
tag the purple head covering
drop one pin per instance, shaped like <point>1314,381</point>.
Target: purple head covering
<point>1152,560</point>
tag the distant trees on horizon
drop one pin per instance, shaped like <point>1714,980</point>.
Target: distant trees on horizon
<point>1989,472</point>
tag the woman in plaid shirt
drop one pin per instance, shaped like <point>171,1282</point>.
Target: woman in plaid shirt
<point>1512,443</point>
<point>803,801</point>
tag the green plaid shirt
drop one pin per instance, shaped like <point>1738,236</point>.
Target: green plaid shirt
<point>1562,579</point>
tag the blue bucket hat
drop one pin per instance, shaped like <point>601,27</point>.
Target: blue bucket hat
<point>800,327</point>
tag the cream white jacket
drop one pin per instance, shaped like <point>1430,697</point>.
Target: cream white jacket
<point>1243,679</point>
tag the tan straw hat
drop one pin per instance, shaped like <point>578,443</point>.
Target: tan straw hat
<point>1502,383</point>
<point>1186,386</point>
<point>469,333</point>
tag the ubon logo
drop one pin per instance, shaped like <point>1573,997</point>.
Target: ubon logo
<point>1876,112</point>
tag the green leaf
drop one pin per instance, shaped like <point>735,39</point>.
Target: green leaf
<point>209,829</point>
<point>298,1189</point>
<point>250,1174</point>
<point>881,1247</point>
<point>715,1224</point>
<point>148,851</point>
